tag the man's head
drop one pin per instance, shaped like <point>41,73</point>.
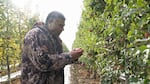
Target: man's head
<point>55,22</point>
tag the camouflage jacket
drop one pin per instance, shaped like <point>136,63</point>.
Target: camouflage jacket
<point>43,60</point>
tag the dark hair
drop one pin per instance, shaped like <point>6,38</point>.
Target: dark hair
<point>54,15</point>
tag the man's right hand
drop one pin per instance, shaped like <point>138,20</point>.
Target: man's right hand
<point>76,53</point>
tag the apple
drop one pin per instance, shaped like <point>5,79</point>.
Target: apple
<point>146,35</point>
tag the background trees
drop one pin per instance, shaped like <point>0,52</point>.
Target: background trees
<point>114,35</point>
<point>13,25</point>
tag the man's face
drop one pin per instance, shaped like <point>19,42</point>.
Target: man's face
<point>57,26</point>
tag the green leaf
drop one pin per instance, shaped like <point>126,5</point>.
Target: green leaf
<point>142,48</point>
<point>140,3</point>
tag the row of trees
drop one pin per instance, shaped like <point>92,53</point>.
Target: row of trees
<point>114,35</point>
<point>14,23</point>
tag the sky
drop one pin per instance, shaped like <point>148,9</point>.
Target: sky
<point>71,9</point>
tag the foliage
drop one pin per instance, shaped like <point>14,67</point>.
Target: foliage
<point>13,25</point>
<point>65,48</point>
<point>111,32</point>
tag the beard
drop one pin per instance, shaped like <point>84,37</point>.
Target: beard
<point>55,33</point>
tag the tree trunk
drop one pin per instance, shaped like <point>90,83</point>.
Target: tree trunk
<point>8,68</point>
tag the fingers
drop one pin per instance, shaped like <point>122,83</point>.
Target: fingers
<point>78,49</point>
<point>76,53</point>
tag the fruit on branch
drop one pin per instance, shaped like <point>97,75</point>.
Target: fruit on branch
<point>146,35</point>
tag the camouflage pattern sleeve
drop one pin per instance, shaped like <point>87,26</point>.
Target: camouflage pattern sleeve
<point>42,53</point>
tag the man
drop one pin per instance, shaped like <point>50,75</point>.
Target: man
<point>43,60</point>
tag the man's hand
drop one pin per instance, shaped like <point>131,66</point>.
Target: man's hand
<point>76,53</point>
